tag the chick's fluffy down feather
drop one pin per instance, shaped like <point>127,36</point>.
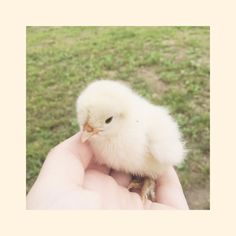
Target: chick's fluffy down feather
<point>141,139</point>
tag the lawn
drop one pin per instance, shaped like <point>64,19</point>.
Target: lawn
<point>167,65</point>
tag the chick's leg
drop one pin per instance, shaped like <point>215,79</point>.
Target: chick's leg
<point>136,183</point>
<point>148,190</point>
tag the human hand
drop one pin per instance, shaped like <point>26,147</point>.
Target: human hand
<point>70,179</point>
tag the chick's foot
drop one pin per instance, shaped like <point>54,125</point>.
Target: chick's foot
<point>136,183</point>
<point>148,190</point>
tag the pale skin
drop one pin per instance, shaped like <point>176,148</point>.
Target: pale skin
<point>70,179</point>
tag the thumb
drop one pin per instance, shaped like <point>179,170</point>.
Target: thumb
<point>75,147</point>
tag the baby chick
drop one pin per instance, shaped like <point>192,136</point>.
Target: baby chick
<point>128,133</point>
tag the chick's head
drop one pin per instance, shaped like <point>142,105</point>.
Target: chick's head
<point>102,109</point>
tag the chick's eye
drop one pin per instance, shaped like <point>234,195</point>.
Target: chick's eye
<point>109,120</point>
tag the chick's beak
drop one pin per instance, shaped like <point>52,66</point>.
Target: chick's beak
<point>88,131</point>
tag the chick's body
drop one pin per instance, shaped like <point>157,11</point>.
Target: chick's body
<point>136,148</point>
<point>141,139</point>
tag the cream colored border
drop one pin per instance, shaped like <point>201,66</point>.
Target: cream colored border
<point>15,16</point>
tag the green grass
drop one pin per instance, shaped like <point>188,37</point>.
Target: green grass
<point>167,65</point>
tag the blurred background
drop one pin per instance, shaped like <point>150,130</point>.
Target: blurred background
<point>167,65</point>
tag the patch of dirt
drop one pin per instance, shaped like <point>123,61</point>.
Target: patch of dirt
<point>110,74</point>
<point>198,197</point>
<point>153,81</point>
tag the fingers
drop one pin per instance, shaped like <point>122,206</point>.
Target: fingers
<point>169,190</point>
<point>121,178</point>
<point>148,205</point>
<point>101,168</point>
<point>113,196</point>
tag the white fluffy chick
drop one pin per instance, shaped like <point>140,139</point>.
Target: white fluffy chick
<point>128,133</point>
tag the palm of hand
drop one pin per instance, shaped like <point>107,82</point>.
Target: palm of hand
<point>70,179</point>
